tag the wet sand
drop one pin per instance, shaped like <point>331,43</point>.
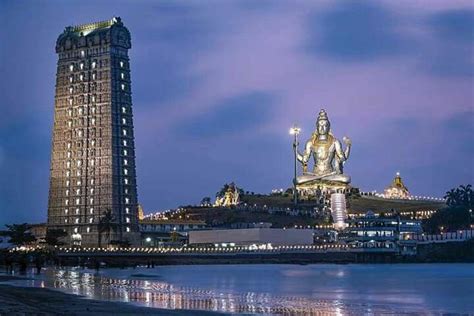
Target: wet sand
<point>38,301</point>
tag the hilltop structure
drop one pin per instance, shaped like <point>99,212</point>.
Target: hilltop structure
<point>93,149</point>
<point>230,196</point>
<point>397,189</point>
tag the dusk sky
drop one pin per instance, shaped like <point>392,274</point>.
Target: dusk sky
<point>217,84</point>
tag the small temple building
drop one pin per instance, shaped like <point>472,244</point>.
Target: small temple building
<point>229,196</point>
<point>397,190</point>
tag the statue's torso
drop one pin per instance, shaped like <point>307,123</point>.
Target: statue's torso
<point>323,155</point>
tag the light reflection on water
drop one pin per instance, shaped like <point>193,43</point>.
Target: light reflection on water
<point>278,289</point>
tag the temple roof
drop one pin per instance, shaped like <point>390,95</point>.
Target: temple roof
<point>398,183</point>
<point>85,29</point>
<point>84,35</point>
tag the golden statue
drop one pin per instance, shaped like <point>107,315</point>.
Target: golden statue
<point>328,156</point>
<point>230,197</point>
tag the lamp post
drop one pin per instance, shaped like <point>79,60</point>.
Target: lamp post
<point>295,130</point>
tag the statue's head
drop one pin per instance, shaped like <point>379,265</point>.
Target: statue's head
<point>323,125</point>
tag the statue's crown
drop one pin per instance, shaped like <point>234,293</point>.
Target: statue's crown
<point>322,115</point>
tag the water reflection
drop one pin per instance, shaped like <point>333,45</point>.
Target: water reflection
<point>295,290</point>
<point>162,294</point>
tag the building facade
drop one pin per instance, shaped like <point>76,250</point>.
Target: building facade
<point>93,148</point>
<point>158,232</point>
<point>252,236</point>
<point>167,226</point>
<point>370,230</point>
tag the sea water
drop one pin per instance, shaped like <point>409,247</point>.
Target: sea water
<point>278,289</point>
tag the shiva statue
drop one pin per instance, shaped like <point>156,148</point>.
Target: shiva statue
<point>328,155</point>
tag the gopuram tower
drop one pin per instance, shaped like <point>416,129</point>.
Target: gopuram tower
<point>93,189</point>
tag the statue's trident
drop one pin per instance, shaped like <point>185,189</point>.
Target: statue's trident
<point>295,130</point>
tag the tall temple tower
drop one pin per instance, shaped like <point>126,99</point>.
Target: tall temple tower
<point>93,177</point>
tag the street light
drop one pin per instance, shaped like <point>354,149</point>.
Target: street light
<point>295,130</point>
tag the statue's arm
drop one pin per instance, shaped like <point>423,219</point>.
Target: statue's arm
<point>303,158</point>
<point>348,143</point>
<point>342,155</point>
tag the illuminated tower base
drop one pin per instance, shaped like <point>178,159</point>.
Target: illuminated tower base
<point>339,210</point>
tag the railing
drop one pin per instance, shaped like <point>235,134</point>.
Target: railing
<point>460,235</point>
<point>254,249</point>
<point>95,25</point>
<point>410,198</point>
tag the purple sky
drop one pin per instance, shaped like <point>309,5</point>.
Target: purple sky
<point>217,84</point>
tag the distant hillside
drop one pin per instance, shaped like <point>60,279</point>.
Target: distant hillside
<point>356,204</point>
<point>369,203</point>
<point>225,217</point>
<point>220,216</point>
<point>269,200</point>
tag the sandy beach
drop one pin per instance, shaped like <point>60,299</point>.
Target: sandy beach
<point>38,301</point>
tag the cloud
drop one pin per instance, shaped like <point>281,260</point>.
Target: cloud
<point>175,36</point>
<point>451,53</point>
<point>217,84</point>
<point>355,32</point>
<point>432,154</point>
<point>461,128</point>
<point>360,32</point>
<point>24,151</point>
<point>457,25</point>
<point>231,116</point>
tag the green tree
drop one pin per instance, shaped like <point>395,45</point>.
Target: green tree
<point>222,191</point>
<point>450,219</point>
<point>19,234</point>
<point>460,197</point>
<point>174,236</point>
<point>206,201</point>
<point>458,214</point>
<point>226,187</point>
<point>106,225</point>
<point>53,237</point>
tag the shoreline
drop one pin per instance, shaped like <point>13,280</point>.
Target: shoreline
<point>20,300</point>
<point>201,295</point>
<point>450,252</point>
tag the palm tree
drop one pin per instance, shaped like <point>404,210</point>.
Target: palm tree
<point>462,196</point>
<point>231,186</point>
<point>206,201</point>
<point>19,234</point>
<point>467,195</point>
<point>106,224</point>
<point>54,236</point>
<point>452,197</point>
<point>222,191</point>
